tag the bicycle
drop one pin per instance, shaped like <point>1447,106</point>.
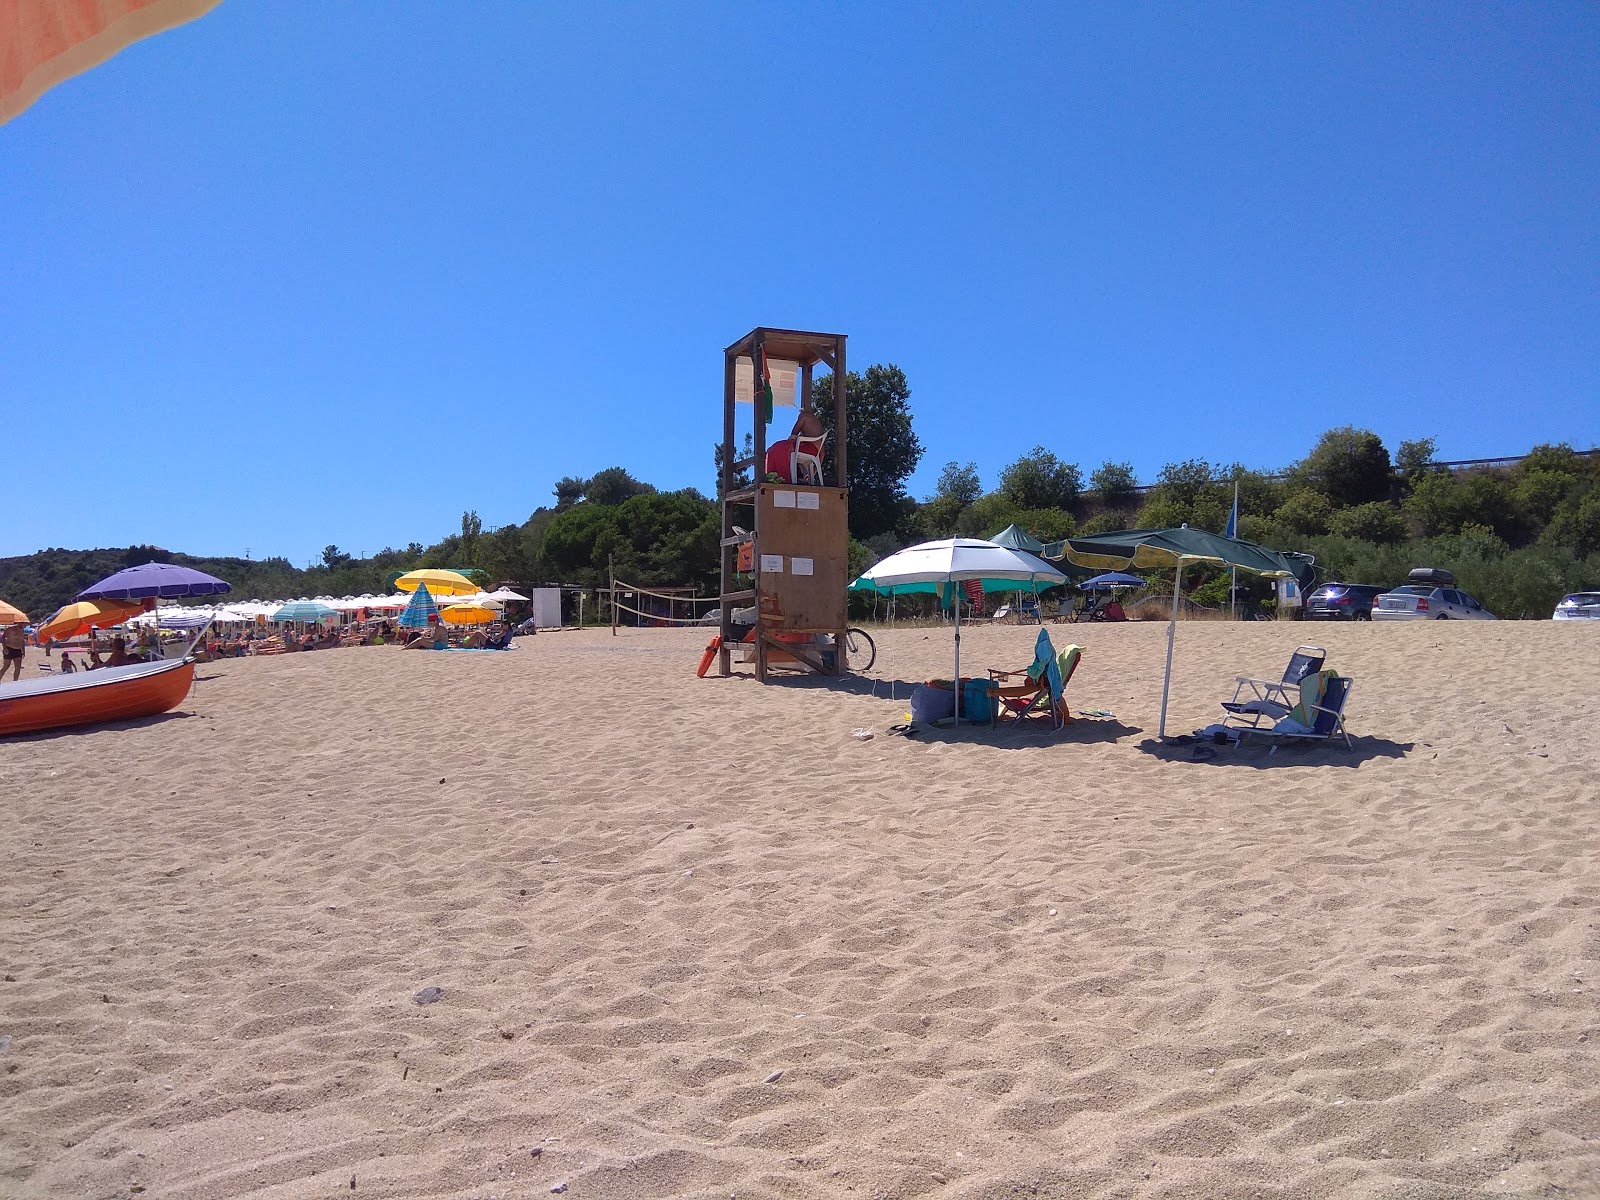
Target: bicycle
<point>860,650</point>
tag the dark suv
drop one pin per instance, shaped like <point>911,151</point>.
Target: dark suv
<point>1342,602</point>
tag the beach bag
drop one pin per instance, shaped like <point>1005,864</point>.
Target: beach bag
<point>930,703</point>
<point>975,702</point>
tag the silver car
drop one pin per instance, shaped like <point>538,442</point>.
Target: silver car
<point>1580,606</point>
<point>1424,602</point>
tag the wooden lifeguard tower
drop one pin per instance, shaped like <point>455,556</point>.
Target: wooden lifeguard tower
<point>799,560</point>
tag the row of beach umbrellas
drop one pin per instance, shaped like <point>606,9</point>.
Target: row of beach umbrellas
<point>132,596</point>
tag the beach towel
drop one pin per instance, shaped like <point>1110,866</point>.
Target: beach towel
<point>1302,718</point>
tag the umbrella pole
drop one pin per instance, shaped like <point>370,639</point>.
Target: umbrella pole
<point>1172,629</point>
<point>956,600</point>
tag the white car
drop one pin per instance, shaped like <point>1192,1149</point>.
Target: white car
<point>1425,602</point>
<point>1580,606</point>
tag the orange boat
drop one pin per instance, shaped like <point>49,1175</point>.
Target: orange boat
<point>106,694</point>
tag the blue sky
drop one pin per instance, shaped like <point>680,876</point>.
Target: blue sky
<point>301,273</point>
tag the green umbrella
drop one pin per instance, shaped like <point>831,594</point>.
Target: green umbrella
<point>1017,538</point>
<point>1128,549</point>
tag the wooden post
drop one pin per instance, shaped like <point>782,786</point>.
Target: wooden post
<point>758,475</point>
<point>729,553</point>
<point>611,573</point>
<point>840,429</point>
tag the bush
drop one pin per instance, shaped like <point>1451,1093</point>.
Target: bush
<point>1349,466</point>
<point>1376,522</point>
<point>1160,512</point>
<point>1041,480</point>
<point>1306,512</point>
<point>1577,528</point>
<point>1106,522</point>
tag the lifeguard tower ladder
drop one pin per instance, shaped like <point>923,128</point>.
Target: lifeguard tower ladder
<point>799,559</point>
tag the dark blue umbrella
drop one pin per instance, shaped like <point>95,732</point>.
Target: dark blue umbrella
<point>1111,580</point>
<point>167,581</point>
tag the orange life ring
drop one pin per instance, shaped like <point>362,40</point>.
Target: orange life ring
<point>709,656</point>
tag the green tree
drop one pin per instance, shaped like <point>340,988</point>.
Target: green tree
<point>882,448</point>
<point>1187,481</point>
<point>471,533</point>
<point>1376,522</point>
<point>957,488</point>
<point>1415,459</point>
<point>1306,512</point>
<point>1041,480</point>
<point>569,490</point>
<point>1349,466</point>
<point>1114,483</point>
<point>741,477</point>
<point>613,486</point>
<point>332,557</point>
<point>1577,528</point>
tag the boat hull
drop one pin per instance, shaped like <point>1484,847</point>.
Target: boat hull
<point>88,697</point>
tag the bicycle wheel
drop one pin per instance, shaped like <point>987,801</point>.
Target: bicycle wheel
<point>860,650</point>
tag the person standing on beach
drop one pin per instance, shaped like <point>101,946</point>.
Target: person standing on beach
<point>13,645</point>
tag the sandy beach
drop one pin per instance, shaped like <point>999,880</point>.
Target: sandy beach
<point>695,939</point>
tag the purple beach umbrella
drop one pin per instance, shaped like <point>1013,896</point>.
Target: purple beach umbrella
<point>165,581</point>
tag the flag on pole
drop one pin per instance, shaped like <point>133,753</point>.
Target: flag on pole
<point>1233,531</point>
<point>766,389</point>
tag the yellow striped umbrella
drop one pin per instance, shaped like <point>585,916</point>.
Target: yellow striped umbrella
<point>440,582</point>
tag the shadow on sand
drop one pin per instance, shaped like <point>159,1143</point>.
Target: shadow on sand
<point>1263,754</point>
<point>1034,733</point>
<point>50,735</point>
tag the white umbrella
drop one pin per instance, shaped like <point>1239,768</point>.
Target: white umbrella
<point>506,593</point>
<point>938,566</point>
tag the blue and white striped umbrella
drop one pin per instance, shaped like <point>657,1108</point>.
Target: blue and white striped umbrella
<point>422,607</point>
<point>308,611</point>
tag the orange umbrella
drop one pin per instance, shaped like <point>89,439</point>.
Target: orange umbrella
<point>10,614</point>
<point>43,42</point>
<point>84,615</point>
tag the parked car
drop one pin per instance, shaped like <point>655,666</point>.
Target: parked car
<point>1431,595</point>
<point>1580,606</point>
<point>1342,602</point>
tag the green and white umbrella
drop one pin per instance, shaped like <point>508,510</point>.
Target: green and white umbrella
<point>1130,549</point>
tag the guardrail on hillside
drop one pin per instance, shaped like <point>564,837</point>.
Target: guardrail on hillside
<point>1459,464</point>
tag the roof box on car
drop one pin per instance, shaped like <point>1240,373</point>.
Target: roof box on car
<point>1437,576</point>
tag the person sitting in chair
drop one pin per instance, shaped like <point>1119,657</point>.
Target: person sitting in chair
<point>1113,611</point>
<point>780,454</point>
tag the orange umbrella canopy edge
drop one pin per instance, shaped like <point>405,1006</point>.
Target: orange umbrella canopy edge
<point>83,615</point>
<point>44,42</point>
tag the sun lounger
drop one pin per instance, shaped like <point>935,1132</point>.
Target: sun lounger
<point>1258,700</point>
<point>1319,714</point>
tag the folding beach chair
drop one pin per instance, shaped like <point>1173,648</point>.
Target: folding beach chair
<point>1319,714</point>
<point>1043,683</point>
<point>1255,700</point>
